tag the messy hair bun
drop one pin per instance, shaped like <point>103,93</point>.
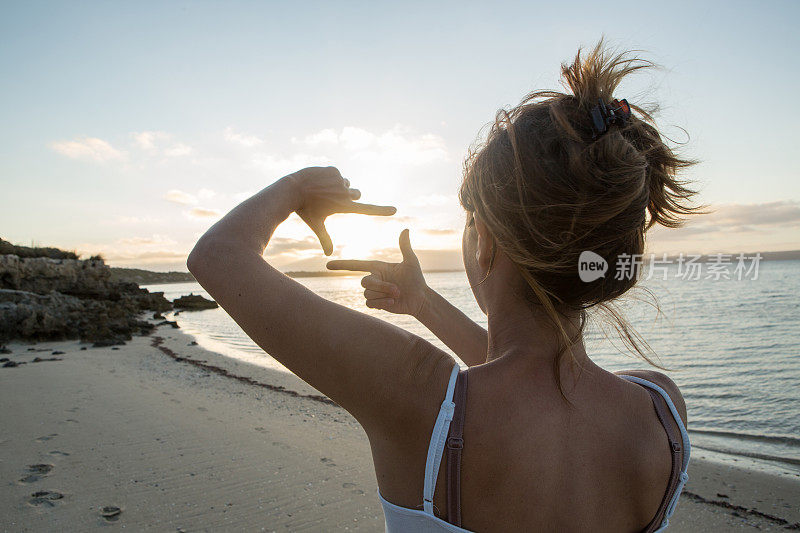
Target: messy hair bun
<point>549,188</point>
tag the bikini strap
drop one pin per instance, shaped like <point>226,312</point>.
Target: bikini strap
<point>676,451</point>
<point>455,444</point>
<point>436,446</point>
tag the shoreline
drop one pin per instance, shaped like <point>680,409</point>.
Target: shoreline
<point>723,447</point>
<point>179,437</point>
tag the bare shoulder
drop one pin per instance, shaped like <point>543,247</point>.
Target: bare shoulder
<point>399,444</point>
<point>663,381</point>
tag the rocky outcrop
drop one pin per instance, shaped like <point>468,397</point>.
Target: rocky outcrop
<point>51,299</point>
<point>40,275</point>
<point>146,277</point>
<point>27,251</point>
<point>194,302</point>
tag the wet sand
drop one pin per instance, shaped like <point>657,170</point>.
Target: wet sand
<point>163,435</point>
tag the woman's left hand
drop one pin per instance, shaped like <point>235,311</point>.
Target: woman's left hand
<point>321,192</point>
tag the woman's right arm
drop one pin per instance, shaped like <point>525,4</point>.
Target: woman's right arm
<point>400,288</point>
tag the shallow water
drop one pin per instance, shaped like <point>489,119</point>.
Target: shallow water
<point>732,346</point>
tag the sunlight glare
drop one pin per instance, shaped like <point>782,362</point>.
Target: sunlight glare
<point>357,237</point>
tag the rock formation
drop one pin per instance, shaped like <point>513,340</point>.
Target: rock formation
<point>194,302</point>
<point>51,299</point>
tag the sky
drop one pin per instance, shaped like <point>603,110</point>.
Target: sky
<point>129,128</point>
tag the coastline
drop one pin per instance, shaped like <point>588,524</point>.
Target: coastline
<point>182,438</point>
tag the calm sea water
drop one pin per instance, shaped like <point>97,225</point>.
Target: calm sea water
<point>732,346</point>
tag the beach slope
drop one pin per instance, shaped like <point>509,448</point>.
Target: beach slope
<point>163,435</point>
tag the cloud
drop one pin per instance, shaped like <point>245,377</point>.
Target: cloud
<point>178,150</point>
<point>170,258</point>
<point>356,139</point>
<point>756,226</point>
<point>432,200</point>
<point>154,142</point>
<point>741,218</point>
<point>247,141</point>
<point>146,241</point>
<point>135,220</point>
<point>155,254</point>
<point>764,214</point>
<point>276,166</point>
<point>146,140</point>
<point>439,231</point>
<point>140,250</point>
<point>180,197</point>
<point>400,144</point>
<point>326,136</point>
<point>203,212</point>
<point>283,245</point>
<point>88,148</point>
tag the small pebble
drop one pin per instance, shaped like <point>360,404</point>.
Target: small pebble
<point>110,512</point>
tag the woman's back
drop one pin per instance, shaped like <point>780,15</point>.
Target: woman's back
<point>551,441</point>
<point>531,460</point>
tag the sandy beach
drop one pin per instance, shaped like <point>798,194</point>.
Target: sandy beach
<point>163,435</point>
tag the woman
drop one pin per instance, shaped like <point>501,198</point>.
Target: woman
<point>544,439</point>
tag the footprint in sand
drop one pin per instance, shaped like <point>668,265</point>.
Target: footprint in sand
<point>349,485</point>
<point>36,472</point>
<point>47,437</point>
<point>203,409</point>
<point>111,513</point>
<point>282,445</point>
<point>45,498</point>
<point>328,462</point>
<point>60,453</point>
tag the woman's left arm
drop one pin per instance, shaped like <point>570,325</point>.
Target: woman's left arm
<point>383,375</point>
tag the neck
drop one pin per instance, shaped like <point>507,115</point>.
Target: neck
<point>526,339</point>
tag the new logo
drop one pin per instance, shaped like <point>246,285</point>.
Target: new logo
<point>591,266</point>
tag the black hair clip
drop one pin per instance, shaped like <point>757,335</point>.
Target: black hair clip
<point>604,116</point>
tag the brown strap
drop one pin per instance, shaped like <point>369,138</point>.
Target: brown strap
<point>676,450</point>
<point>455,443</point>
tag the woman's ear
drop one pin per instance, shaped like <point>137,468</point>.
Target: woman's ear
<point>483,251</point>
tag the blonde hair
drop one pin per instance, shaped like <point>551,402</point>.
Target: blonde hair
<point>548,190</point>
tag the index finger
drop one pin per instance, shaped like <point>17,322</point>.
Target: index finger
<point>356,265</point>
<point>371,209</point>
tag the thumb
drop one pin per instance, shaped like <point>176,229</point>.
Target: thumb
<point>322,234</point>
<point>405,248</point>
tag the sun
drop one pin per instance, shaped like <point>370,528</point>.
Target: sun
<point>357,250</point>
<point>358,237</point>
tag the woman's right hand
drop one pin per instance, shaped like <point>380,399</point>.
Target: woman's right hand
<point>395,287</point>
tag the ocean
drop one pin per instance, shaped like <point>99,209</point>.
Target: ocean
<point>731,345</point>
